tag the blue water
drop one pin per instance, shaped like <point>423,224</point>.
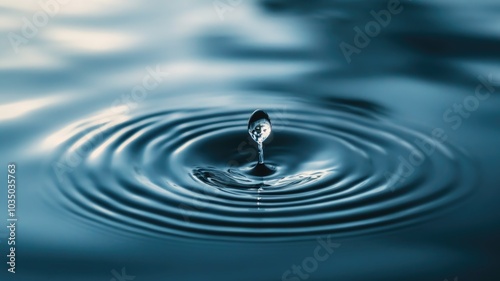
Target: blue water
<point>128,125</point>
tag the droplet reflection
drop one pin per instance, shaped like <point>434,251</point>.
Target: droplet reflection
<point>259,128</point>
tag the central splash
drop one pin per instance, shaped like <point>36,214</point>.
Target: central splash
<point>259,128</point>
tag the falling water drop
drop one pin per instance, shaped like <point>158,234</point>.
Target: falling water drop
<point>259,128</point>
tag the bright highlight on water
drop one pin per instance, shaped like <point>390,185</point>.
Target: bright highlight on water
<point>259,128</point>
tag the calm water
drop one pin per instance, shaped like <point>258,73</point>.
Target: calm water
<point>128,126</point>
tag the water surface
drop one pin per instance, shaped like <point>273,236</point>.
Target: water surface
<point>128,124</point>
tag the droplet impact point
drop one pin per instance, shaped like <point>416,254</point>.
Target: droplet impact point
<point>259,128</point>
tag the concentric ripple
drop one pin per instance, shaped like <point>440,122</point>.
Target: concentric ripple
<point>186,172</point>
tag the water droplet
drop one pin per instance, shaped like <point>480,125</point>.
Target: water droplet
<point>259,128</point>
